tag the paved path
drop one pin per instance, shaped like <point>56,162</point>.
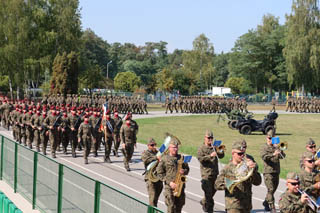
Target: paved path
<point>133,183</point>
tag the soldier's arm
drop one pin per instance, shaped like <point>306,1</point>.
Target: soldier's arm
<point>287,206</point>
<point>186,168</point>
<point>147,158</point>
<point>161,170</point>
<point>202,157</point>
<point>80,131</point>
<point>220,182</point>
<point>122,134</point>
<point>265,155</point>
<point>256,178</point>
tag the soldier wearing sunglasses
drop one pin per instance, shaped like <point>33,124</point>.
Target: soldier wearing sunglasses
<point>154,188</point>
<point>209,168</point>
<point>312,148</point>
<point>271,156</point>
<point>291,200</point>
<point>307,175</point>
<point>240,200</point>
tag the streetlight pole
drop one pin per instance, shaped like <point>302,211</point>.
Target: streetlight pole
<point>108,68</point>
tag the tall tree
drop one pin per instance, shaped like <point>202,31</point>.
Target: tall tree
<point>301,51</point>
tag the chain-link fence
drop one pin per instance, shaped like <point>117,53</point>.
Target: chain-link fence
<point>53,187</point>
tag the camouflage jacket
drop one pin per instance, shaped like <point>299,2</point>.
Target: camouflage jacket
<point>307,180</point>
<point>241,198</point>
<point>127,134</point>
<point>148,157</point>
<point>167,168</point>
<point>107,130</point>
<point>271,163</point>
<point>291,203</point>
<point>85,131</point>
<point>209,167</point>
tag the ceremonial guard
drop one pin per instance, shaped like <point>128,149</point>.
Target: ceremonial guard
<point>52,122</point>
<point>154,187</point>
<point>75,121</point>
<point>127,137</point>
<point>238,197</point>
<point>116,132</point>
<point>37,132</point>
<point>85,133</point>
<point>108,128</point>
<point>271,156</point>
<point>65,131</point>
<point>292,201</point>
<point>209,168</point>
<point>43,133</point>
<point>95,122</point>
<point>168,170</point>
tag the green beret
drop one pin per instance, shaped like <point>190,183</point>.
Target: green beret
<point>292,176</point>
<point>238,145</point>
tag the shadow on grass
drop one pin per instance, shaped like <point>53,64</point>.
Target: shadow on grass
<point>283,134</point>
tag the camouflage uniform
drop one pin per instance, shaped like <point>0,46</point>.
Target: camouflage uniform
<point>209,171</point>
<point>167,170</point>
<point>271,171</point>
<point>50,121</point>
<point>85,133</point>
<point>291,202</point>
<point>240,201</point>
<point>116,131</point>
<point>127,137</point>
<point>154,188</point>
<point>74,120</point>
<point>108,135</point>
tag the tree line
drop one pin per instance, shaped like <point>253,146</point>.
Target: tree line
<point>43,46</point>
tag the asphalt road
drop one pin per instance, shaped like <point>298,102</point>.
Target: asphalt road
<point>133,183</point>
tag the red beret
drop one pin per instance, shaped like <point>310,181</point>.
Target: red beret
<point>108,112</point>
<point>52,107</point>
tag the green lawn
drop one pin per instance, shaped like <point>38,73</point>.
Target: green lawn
<point>295,129</point>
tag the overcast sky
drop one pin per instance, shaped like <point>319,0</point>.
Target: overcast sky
<point>178,22</point>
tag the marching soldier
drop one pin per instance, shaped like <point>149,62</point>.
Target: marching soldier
<point>116,131</point>
<point>95,122</point>
<point>168,105</point>
<point>208,158</point>
<point>154,188</point>
<point>291,200</point>
<point>65,131</point>
<point>85,133</point>
<point>127,137</point>
<point>52,122</point>
<point>240,200</point>
<point>108,127</point>
<point>75,121</point>
<point>35,125</point>
<point>167,171</point>
<point>28,127</point>
<point>43,133</point>
<point>271,157</point>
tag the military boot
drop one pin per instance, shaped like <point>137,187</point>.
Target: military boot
<point>74,155</point>
<point>53,155</point>
<point>38,149</point>
<point>266,205</point>
<point>86,161</point>
<point>272,208</point>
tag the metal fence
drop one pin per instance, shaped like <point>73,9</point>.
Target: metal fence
<point>6,205</point>
<point>54,187</point>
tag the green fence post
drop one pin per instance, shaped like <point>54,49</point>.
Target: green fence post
<point>60,188</point>
<point>97,197</point>
<point>150,209</point>
<point>15,167</point>
<point>1,167</point>
<point>35,168</point>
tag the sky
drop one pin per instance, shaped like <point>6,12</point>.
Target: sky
<point>178,22</point>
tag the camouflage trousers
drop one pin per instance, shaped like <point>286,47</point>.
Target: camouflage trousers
<point>108,145</point>
<point>154,191</point>
<point>87,146</point>
<point>116,141</point>
<point>272,181</point>
<point>209,191</point>
<point>174,204</point>
<point>73,141</point>
<point>128,152</point>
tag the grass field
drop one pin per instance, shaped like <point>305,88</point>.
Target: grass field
<point>160,107</point>
<point>295,129</point>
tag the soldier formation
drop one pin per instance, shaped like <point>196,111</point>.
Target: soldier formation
<point>303,104</point>
<point>196,104</point>
<point>60,122</point>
